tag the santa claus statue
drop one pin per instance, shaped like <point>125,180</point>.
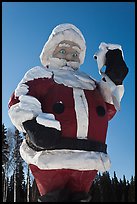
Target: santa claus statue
<point>65,113</point>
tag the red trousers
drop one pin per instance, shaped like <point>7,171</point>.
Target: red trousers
<point>74,180</point>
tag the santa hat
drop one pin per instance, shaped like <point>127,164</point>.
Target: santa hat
<point>60,33</point>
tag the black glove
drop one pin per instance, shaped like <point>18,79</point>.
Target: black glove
<point>41,136</point>
<point>116,68</point>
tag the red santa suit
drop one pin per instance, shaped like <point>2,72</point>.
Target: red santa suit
<point>73,103</point>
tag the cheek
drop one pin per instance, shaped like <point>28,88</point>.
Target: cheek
<point>76,59</point>
<point>59,55</point>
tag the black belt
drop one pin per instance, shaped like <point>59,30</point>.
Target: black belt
<point>72,144</point>
<point>82,144</point>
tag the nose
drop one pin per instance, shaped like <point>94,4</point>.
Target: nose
<point>68,57</point>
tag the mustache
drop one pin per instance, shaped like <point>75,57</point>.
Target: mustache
<point>62,63</point>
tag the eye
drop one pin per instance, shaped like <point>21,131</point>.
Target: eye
<point>74,54</point>
<point>62,51</point>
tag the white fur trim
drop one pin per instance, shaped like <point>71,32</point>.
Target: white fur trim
<point>30,103</point>
<point>64,75</point>
<point>33,73</point>
<point>26,109</point>
<point>21,89</point>
<point>60,33</point>
<point>65,159</point>
<point>105,91</point>
<point>18,116</point>
<point>81,109</point>
<point>76,48</point>
<point>48,120</point>
<point>64,45</point>
<point>111,93</point>
<point>100,56</point>
<point>71,78</point>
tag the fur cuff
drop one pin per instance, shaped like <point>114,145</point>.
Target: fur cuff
<point>110,92</point>
<point>28,108</point>
<point>48,120</point>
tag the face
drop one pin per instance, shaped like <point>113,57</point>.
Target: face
<point>67,50</point>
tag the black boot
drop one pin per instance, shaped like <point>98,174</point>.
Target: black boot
<point>60,195</point>
<point>80,197</point>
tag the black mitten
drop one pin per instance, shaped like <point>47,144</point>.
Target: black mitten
<point>116,68</point>
<point>41,136</point>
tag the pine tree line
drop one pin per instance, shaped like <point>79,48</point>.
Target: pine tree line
<point>106,189</point>
<point>18,184</point>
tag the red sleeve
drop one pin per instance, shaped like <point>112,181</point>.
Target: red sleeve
<point>110,110</point>
<point>13,100</point>
<point>36,88</point>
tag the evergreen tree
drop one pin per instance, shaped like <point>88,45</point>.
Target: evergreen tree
<point>20,187</point>
<point>131,194</point>
<point>21,197</point>
<point>5,156</point>
<point>34,192</point>
<point>95,190</point>
<point>106,188</point>
<point>16,163</point>
<point>28,185</point>
<point>5,146</point>
<point>10,190</point>
<point>121,194</point>
<point>18,168</point>
<point>117,191</point>
<point>125,186</point>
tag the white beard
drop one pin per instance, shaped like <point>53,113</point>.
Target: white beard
<point>60,63</point>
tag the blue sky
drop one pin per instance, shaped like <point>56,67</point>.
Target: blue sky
<point>26,27</point>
